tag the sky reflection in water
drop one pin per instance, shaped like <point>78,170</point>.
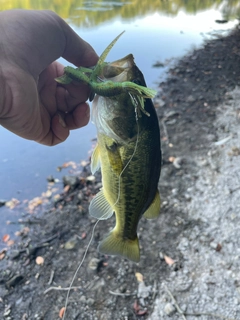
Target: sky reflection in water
<point>24,165</point>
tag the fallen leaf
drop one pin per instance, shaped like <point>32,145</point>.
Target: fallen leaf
<point>12,203</point>
<point>236,151</point>
<point>66,188</point>
<point>35,202</point>
<point>139,276</point>
<point>61,312</point>
<point>57,197</point>
<point>5,238</point>
<point>22,232</point>
<point>84,163</point>
<point>10,243</point>
<point>25,231</point>
<point>177,162</point>
<point>90,178</point>
<point>141,312</point>
<point>137,309</point>
<point>25,316</point>
<point>84,234</point>
<point>65,165</point>
<point>169,260</point>
<point>80,208</point>
<point>47,194</point>
<point>39,260</point>
<point>2,254</point>
<point>71,243</point>
<point>136,306</point>
<point>70,164</point>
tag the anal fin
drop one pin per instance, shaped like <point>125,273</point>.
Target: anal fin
<point>154,209</point>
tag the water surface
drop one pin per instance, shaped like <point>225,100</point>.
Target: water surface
<point>155,31</point>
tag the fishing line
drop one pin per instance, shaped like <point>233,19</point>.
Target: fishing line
<point>78,268</point>
<point>119,190</point>
<point>134,151</point>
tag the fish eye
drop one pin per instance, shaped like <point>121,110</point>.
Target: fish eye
<point>137,81</point>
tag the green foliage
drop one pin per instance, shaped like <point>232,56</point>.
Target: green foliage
<point>92,13</point>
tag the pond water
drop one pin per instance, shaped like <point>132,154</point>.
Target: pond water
<point>156,31</point>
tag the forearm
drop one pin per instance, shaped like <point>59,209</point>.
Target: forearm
<point>2,82</point>
<point>3,90</point>
<point>5,70</point>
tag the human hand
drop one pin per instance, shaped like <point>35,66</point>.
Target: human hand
<point>32,104</point>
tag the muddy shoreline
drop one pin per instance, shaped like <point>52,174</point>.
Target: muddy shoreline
<point>190,104</point>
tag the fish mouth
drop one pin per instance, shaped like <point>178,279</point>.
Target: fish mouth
<point>119,70</point>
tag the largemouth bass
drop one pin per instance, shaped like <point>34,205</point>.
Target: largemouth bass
<point>128,150</point>
<point>129,153</point>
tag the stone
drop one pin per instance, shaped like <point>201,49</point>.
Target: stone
<point>169,309</point>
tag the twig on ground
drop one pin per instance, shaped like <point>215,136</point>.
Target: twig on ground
<point>197,314</point>
<point>61,289</point>
<point>154,290</point>
<point>51,278</point>
<point>121,294</point>
<point>214,315</point>
<point>233,190</point>
<point>49,239</point>
<point>165,130</point>
<point>175,302</point>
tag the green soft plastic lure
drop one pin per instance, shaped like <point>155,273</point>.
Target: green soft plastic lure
<point>103,87</point>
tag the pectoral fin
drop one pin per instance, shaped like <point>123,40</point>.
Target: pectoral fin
<point>99,207</point>
<point>115,162</point>
<point>95,160</point>
<point>154,209</point>
<point>113,155</point>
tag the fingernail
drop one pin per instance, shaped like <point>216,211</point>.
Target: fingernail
<point>86,109</point>
<point>61,121</point>
<point>87,112</point>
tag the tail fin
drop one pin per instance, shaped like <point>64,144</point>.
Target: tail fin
<point>115,245</point>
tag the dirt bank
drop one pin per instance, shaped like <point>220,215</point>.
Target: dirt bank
<point>191,252</point>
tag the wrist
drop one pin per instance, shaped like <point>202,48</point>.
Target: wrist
<point>2,92</point>
<point>5,92</point>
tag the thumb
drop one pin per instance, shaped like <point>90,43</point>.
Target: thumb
<point>77,51</point>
